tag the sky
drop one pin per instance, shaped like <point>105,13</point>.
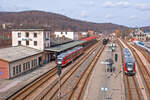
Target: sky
<point>132,13</point>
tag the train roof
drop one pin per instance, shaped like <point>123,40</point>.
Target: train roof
<point>128,60</point>
<point>62,55</point>
<point>89,38</point>
<point>128,56</point>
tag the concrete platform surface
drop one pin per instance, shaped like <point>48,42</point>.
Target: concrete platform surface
<point>106,85</point>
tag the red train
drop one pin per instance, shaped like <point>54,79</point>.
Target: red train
<point>129,62</point>
<point>68,56</point>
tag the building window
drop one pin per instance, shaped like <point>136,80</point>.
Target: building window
<point>17,71</point>
<point>35,62</point>
<point>14,70</point>
<point>35,34</point>
<point>19,42</point>
<point>32,63</point>
<point>19,35</point>
<point>27,42</point>
<point>19,68</point>
<point>28,65</point>
<point>35,43</point>
<point>24,67</point>
<point>27,34</point>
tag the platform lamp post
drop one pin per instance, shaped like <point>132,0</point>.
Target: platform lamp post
<point>59,80</point>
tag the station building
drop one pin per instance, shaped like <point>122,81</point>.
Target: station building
<point>27,52</point>
<point>17,60</point>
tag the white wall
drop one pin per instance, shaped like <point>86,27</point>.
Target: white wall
<point>69,35</point>
<point>47,39</point>
<point>43,39</point>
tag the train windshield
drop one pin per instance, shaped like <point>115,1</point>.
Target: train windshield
<point>59,60</point>
<point>130,65</point>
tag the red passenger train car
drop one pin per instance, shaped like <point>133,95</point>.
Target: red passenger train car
<point>68,56</point>
<point>129,62</point>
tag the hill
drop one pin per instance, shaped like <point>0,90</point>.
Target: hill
<point>55,21</point>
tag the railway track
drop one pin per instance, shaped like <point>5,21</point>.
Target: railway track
<point>53,92</point>
<point>79,88</point>
<point>144,72</point>
<point>134,92</point>
<point>144,52</point>
<point>29,91</point>
<point>131,86</point>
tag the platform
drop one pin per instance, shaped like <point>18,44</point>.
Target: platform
<point>104,84</point>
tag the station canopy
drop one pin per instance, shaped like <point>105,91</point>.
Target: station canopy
<point>64,47</point>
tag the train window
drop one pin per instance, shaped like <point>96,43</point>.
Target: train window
<point>59,60</point>
<point>130,64</point>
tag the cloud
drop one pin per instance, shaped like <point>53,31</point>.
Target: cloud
<point>143,6</point>
<point>109,16</point>
<point>123,4</point>
<point>91,3</point>
<point>13,8</point>
<point>133,17</point>
<point>83,14</point>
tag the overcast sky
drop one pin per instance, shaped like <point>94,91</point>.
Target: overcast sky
<point>124,12</point>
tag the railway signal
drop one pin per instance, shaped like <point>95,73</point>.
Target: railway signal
<point>59,70</point>
<point>59,80</point>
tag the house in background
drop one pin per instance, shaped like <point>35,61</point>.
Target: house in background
<point>147,32</point>
<point>68,34</point>
<point>138,34</point>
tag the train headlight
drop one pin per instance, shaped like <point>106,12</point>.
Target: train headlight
<point>59,62</point>
<point>129,69</point>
